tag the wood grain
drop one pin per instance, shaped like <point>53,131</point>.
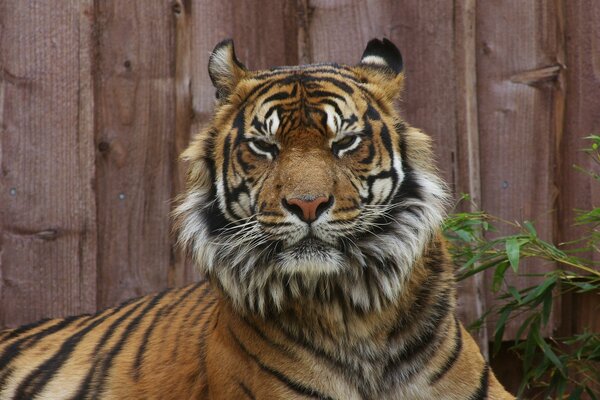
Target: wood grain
<point>135,113</point>
<point>47,205</point>
<point>579,191</point>
<point>472,298</point>
<point>181,268</point>
<point>518,131</point>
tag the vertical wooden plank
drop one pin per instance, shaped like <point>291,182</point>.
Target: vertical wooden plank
<point>579,191</point>
<point>471,301</point>
<point>135,140</point>
<point>181,268</point>
<point>47,205</point>
<point>517,70</point>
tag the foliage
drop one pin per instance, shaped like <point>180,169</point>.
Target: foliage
<point>565,367</point>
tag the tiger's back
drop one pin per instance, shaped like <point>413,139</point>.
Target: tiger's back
<point>145,348</point>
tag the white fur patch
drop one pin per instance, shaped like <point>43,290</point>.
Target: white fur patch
<point>272,123</point>
<point>334,121</point>
<point>374,60</point>
<point>381,189</point>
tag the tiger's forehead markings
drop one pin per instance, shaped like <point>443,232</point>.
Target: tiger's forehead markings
<point>305,77</point>
<point>333,69</point>
<point>324,95</point>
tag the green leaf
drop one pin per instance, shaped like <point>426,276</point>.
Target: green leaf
<point>584,286</point>
<point>464,235</point>
<point>530,345</point>
<point>529,226</point>
<point>500,326</point>
<point>550,355</point>
<point>513,251</point>
<point>547,284</point>
<point>524,326</point>
<point>515,293</point>
<point>499,276</point>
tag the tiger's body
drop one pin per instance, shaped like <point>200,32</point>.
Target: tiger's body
<point>315,212</point>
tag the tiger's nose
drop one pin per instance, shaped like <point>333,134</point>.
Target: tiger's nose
<point>308,208</point>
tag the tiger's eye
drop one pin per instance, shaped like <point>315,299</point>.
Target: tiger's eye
<point>262,147</point>
<point>347,143</point>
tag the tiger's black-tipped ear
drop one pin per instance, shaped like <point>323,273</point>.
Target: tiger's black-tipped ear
<point>382,54</point>
<point>224,69</point>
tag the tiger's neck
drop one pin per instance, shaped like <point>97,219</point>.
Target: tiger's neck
<point>339,331</point>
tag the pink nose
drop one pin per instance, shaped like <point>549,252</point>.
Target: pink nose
<point>308,208</point>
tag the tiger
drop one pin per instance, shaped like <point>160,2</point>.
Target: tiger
<point>314,212</point>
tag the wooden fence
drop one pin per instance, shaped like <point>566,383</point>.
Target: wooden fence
<point>98,98</point>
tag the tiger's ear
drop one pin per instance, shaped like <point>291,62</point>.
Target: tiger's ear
<point>381,63</point>
<point>224,69</point>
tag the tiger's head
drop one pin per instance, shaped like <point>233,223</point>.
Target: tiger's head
<point>308,185</point>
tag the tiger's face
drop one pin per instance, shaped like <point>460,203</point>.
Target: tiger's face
<point>303,186</point>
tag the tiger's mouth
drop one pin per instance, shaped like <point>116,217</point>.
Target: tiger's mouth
<point>309,255</point>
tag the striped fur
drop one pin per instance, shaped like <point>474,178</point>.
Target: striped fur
<point>314,212</point>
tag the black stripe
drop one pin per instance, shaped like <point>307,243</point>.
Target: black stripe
<point>290,384</point>
<point>423,342</point>
<point>326,94</point>
<point>343,86</point>
<point>277,346</point>
<point>85,386</point>
<point>201,340</point>
<point>421,300</point>
<point>162,313</point>
<point>456,349</point>
<point>24,329</point>
<point>484,383</point>
<point>125,336</point>
<point>200,301</point>
<point>203,310</point>
<point>37,379</point>
<point>204,285</point>
<point>4,377</point>
<point>276,97</point>
<point>13,350</point>
<point>247,391</point>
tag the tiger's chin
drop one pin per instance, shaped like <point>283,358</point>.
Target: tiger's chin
<point>310,256</point>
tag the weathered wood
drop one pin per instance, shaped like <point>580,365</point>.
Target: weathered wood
<point>135,139</point>
<point>517,120</point>
<point>47,206</point>
<point>578,190</point>
<point>472,291</point>
<point>181,268</point>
